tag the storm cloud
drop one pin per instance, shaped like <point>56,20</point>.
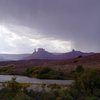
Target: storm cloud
<point>56,25</point>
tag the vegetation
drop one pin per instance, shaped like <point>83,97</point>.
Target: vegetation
<point>44,73</point>
<point>86,86</point>
<point>7,69</point>
<point>13,85</point>
<point>55,86</point>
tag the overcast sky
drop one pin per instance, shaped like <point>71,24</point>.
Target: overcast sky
<point>56,25</point>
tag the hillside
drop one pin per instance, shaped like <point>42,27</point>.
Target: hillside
<point>92,61</point>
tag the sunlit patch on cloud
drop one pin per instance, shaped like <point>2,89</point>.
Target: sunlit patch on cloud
<point>53,45</point>
<point>18,39</point>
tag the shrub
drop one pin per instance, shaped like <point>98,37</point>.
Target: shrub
<point>7,69</point>
<point>79,69</point>
<point>44,73</point>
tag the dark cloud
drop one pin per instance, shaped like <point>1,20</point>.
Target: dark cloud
<point>69,20</point>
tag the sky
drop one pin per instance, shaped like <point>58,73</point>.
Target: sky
<point>55,25</point>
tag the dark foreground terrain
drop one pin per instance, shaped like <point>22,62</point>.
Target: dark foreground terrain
<point>84,70</point>
<point>85,87</point>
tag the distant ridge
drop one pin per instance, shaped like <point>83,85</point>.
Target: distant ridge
<point>12,57</point>
<point>1,58</point>
<point>43,54</point>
